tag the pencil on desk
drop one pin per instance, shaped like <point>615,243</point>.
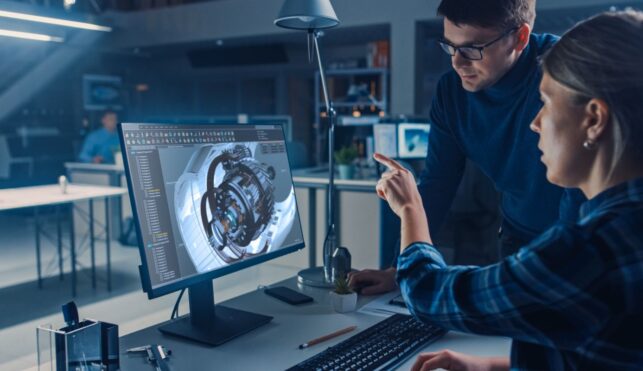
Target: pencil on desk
<point>327,337</point>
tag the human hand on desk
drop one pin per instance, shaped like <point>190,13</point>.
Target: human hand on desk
<point>455,361</point>
<point>372,281</point>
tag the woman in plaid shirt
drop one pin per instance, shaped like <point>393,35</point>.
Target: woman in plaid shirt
<point>573,297</point>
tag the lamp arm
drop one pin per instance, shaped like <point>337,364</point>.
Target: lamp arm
<point>330,243</point>
<point>322,76</point>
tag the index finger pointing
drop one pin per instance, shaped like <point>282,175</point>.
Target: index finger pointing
<point>388,162</point>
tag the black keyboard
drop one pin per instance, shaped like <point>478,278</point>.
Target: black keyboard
<point>382,346</point>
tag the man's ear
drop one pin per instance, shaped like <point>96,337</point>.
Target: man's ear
<point>597,118</point>
<point>522,37</point>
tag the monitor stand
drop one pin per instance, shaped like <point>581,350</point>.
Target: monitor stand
<point>210,324</point>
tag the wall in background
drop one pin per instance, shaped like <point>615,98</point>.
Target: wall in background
<point>246,18</point>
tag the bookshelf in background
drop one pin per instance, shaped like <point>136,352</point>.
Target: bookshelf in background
<point>360,97</point>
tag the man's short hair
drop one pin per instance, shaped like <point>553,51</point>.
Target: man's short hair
<point>108,111</point>
<point>499,14</point>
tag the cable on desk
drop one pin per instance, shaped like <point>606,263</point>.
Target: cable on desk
<point>175,311</point>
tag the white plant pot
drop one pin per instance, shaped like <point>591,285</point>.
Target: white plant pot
<point>343,303</point>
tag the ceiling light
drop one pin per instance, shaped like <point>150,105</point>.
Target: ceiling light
<point>30,36</point>
<point>54,21</point>
<point>68,4</point>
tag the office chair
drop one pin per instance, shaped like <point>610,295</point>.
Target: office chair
<point>6,160</point>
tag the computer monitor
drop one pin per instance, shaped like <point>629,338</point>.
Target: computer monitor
<point>412,140</point>
<point>403,140</point>
<point>385,139</point>
<point>208,200</point>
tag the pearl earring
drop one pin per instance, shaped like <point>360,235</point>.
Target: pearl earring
<point>589,145</point>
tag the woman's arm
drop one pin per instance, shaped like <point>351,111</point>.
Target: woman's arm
<point>542,294</point>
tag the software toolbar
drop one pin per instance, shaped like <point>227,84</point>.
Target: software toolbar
<point>175,135</point>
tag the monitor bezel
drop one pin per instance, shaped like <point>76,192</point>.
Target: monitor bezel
<point>155,292</point>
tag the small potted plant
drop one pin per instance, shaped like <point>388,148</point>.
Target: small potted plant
<point>343,298</point>
<point>344,158</point>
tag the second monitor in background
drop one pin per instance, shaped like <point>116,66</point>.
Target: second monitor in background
<point>403,140</point>
<point>412,140</point>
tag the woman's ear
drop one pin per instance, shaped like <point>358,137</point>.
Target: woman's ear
<point>522,37</point>
<point>597,118</point>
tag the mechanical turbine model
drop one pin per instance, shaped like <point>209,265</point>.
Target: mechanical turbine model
<point>225,206</point>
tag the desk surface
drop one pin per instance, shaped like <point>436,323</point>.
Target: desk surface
<point>16,198</point>
<point>318,178</point>
<point>274,346</point>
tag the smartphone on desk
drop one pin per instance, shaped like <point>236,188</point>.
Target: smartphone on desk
<point>287,295</point>
<point>398,301</point>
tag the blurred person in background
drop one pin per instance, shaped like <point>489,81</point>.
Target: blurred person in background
<point>101,144</point>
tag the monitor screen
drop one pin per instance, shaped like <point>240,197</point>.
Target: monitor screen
<point>412,140</point>
<point>385,138</point>
<point>208,199</point>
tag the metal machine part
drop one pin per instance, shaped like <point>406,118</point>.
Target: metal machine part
<point>240,207</point>
<point>225,206</point>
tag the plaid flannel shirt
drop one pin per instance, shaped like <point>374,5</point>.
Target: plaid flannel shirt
<point>571,299</point>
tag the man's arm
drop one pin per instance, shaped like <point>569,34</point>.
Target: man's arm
<point>438,183</point>
<point>538,295</point>
<point>444,165</point>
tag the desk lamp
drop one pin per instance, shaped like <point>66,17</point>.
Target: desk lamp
<point>314,16</point>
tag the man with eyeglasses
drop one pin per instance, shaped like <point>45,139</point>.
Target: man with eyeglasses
<point>481,111</point>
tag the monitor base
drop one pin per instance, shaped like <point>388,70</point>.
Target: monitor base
<point>212,324</point>
<point>226,324</point>
<point>314,277</point>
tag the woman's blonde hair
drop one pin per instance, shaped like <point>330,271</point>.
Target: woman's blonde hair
<point>602,57</point>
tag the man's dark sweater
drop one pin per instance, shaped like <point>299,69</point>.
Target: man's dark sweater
<point>491,128</point>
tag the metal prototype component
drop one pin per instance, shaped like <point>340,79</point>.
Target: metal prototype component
<point>157,355</point>
<point>226,207</point>
<point>241,206</point>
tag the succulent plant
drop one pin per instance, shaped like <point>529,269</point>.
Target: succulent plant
<point>341,286</point>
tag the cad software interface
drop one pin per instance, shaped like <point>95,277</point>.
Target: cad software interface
<point>209,196</point>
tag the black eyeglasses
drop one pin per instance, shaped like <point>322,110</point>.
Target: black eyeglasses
<point>470,52</point>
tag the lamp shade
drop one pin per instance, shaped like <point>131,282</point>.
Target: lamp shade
<point>307,15</point>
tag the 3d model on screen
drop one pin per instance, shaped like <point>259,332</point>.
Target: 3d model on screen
<point>226,208</point>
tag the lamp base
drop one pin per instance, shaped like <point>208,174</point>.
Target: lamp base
<point>314,277</point>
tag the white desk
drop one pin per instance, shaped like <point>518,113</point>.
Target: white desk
<point>107,175</point>
<point>51,195</point>
<point>274,346</point>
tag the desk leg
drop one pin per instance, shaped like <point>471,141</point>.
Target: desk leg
<point>72,249</point>
<point>92,246</point>
<point>108,247</point>
<point>312,227</point>
<point>38,264</point>
<point>60,242</point>
<point>119,204</point>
